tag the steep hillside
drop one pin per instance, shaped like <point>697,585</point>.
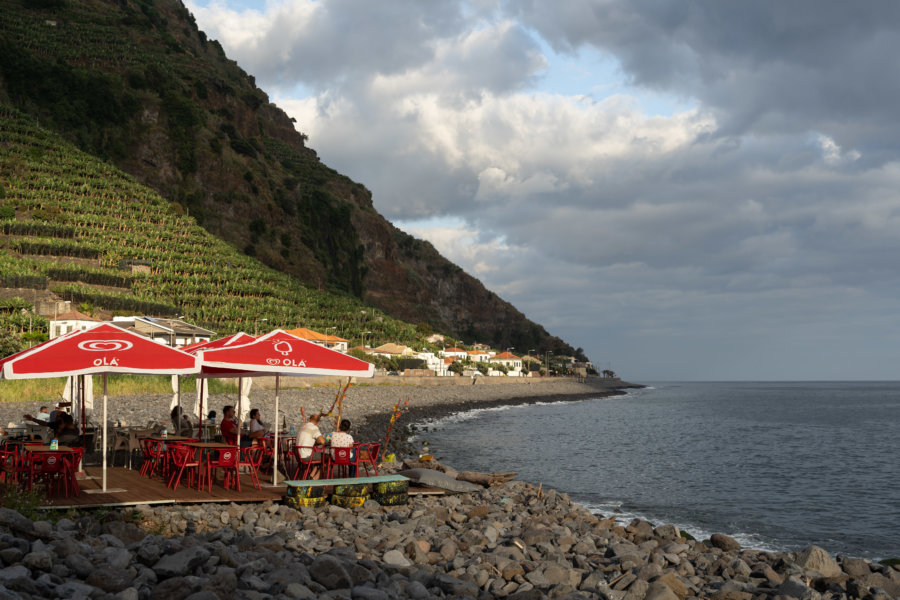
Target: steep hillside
<point>136,83</point>
<point>73,225</point>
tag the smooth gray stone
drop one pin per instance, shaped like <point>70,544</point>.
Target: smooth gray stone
<point>330,572</point>
<point>361,592</point>
<point>181,563</point>
<point>110,579</point>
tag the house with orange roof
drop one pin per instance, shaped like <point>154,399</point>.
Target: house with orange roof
<point>71,321</point>
<point>328,341</point>
<point>454,352</point>
<point>510,361</point>
<point>478,355</point>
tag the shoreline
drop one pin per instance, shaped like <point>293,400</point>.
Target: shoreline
<point>515,540</point>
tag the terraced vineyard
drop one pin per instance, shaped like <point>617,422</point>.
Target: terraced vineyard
<point>73,224</point>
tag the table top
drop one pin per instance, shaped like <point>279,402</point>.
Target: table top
<point>171,438</point>
<point>213,445</point>
<point>48,449</point>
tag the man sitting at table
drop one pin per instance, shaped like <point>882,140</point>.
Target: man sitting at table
<point>63,428</point>
<point>229,426</point>
<point>342,439</point>
<point>310,436</point>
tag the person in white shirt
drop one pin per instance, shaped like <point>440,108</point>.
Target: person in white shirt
<point>258,429</point>
<point>43,415</point>
<point>310,435</point>
<point>342,439</point>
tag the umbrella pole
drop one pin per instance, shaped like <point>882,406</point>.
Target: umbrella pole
<point>81,387</point>
<point>239,424</point>
<point>276,448</point>
<point>178,393</point>
<point>200,383</point>
<point>105,446</point>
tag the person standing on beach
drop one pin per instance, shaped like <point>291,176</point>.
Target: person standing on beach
<point>229,426</point>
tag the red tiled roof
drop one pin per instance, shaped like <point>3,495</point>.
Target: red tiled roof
<point>75,316</point>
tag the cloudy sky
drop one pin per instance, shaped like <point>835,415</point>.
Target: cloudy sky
<point>687,190</point>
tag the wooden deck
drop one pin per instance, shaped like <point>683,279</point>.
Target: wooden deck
<point>125,487</point>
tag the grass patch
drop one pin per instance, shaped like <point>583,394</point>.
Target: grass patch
<point>50,390</point>
<point>24,502</point>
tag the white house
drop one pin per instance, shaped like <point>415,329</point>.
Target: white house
<point>478,356</point>
<point>454,352</point>
<point>510,361</point>
<point>71,321</point>
<point>171,332</point>
<point>433,362</point>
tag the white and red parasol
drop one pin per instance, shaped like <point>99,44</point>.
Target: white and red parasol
<point>280,353</point>
<point>101,350</point>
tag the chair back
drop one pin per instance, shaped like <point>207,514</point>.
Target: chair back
<point>252,456</point>
<point>342,456</point>
<point>368,451</point>
<point>228,457</point>
<point>48,462</point>
<point>306,453</point>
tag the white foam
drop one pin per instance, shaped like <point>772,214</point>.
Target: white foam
<point>624,517</point>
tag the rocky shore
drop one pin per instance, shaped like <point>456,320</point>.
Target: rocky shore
<point>513,541</point>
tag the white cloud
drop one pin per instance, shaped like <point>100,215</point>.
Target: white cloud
<point>754,230</point>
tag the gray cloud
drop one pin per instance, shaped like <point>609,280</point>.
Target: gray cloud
<point>751,237</point>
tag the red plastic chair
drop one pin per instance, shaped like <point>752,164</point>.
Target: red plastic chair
<point>227,460</point>
<point>343,459</point>
<point>154,457</point>
<point>315,458</point>
<point>50,469</point>
<point>367,457</point>
<point>9,461</point>
<point>181,458</point>
<point>251,458</point>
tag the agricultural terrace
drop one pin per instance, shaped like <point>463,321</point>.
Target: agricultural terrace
<point>68,222</point>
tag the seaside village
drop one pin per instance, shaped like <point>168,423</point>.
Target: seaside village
<point>477,360</point>
<point>75,451</point>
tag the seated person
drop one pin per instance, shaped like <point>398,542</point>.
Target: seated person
<point>229,426</point>
<point>181,423</point>
<point>43,415</point>
<point>67,433</point>
<point>63,428</point>
<point>258,429</point>
<point>342,439</point>
<point>310,435</point>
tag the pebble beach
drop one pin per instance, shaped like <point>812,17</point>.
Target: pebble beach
<point>515,540</point>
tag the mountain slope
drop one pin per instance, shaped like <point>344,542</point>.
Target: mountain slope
<point>136,83</point>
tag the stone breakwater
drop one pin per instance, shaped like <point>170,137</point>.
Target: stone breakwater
<point>512,541</point>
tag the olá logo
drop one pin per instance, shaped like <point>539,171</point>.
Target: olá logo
<point>283,347</point>
<point>105,346</point>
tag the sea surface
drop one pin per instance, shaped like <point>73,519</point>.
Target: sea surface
<point>778,466</point>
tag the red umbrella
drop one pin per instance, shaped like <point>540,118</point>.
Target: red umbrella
<point>231,340</point>
<point>100,350</point>
<point>280,353</point>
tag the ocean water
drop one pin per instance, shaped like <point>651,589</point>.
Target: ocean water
<point>778,466</point>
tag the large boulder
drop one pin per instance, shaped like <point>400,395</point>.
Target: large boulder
<point>723,542</point>
<point>817,559</point>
